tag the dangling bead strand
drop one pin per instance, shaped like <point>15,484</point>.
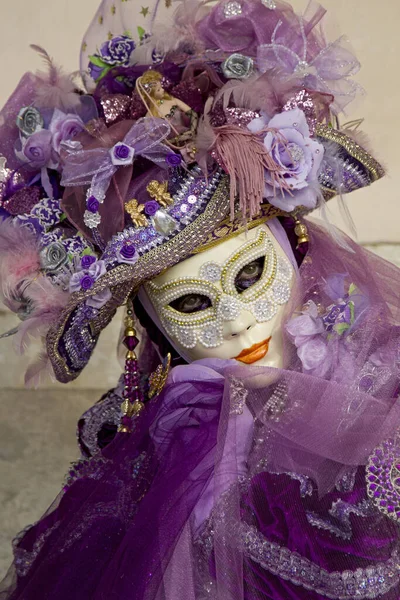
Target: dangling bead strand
<point>133,400</point>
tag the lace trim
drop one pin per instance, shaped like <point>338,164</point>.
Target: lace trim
<point>340,524</point>
<point>371,582</point>
<point>361,584</point>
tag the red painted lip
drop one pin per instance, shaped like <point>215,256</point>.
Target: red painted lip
<point>255,353</point>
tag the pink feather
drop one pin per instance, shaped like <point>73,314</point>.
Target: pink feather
<point>54,89</point>
<point>19,259</point>
<point>39,371</point>
<point>22,283</point>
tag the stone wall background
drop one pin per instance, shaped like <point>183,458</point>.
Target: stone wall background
<point>37,428</point>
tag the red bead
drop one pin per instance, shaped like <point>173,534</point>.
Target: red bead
<point>131,342</point>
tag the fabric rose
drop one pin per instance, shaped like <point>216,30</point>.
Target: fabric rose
<point>117,51</point>
<point>53,257</point>
<point>29,121</point>
<point>84,279</point>
<point>64,127</point>
<point>127,254</point>
<point>151,207</point>
<point>237,66</point>
<point>37,151</point>
<point>122,154</point>
<point>173,160</point>
<point>308,334</point>
<point>92,204</point>
<point>113,53</point>
<point>314,355</point>
<point>308,323</point>
<point>87,261</point>
<point>298,156</point>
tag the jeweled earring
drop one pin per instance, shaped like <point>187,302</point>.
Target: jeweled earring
<point>133,398</point>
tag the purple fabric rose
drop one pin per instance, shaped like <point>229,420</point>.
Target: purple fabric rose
<point>173,160</point>
<point>117,51</point>
<point>122,154</point>
<point>87,261</point>
<point>298,156</point>
<point>309,323</point>
<point>92,204</point>
<point>151,207</point>
<point>64,127</point>
<point>85,279</point>
<point>315,356</point>
<point>308,334</point>
<point>96,269</point>
<point>86,282</point>
<point>127,254</point>
<point>37,151</point>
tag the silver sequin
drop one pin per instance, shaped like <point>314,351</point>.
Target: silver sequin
<point>232,9</point>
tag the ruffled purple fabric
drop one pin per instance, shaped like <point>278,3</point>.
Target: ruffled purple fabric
<point>247,482</point>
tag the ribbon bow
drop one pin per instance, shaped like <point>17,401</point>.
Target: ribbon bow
<point>96,167</point>
<point>324,69</point>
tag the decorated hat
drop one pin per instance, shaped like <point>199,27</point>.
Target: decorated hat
<point>190,122</point>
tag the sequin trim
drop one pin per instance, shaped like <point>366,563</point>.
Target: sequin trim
<point>383,478</point>
<point>371,582</point>
<point>339,524</point>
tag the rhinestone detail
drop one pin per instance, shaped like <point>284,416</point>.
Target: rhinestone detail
<point>210,271</point>
<point>383,478</point>
<point>232,9</point>
<point>262,299</point>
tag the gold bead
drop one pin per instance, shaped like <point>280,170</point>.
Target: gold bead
<point>137,407</point>
<point>130,331</point>
<point>125,406</point>
<point>302,233</point>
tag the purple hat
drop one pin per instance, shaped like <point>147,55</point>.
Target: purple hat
<point>228,114</point>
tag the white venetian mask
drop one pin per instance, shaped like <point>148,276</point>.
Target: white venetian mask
<point>227,302</point>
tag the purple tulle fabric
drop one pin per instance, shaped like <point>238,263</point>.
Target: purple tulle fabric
<point>243,482</point>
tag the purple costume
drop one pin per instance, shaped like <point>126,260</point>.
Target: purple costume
<point>215,480</point>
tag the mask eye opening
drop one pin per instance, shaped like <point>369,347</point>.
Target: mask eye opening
<point>191,303</point>
<point>250,274</point>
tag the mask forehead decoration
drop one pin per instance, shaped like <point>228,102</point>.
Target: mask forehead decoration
<point>253,278</point>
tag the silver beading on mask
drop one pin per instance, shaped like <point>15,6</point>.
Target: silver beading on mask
<point>216,282</point>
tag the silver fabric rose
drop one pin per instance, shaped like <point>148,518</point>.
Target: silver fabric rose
<point>29,121</point>
<point>238,66</point>
<point>53,257</point>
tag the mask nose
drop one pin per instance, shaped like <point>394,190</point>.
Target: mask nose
<point>244,322</point>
